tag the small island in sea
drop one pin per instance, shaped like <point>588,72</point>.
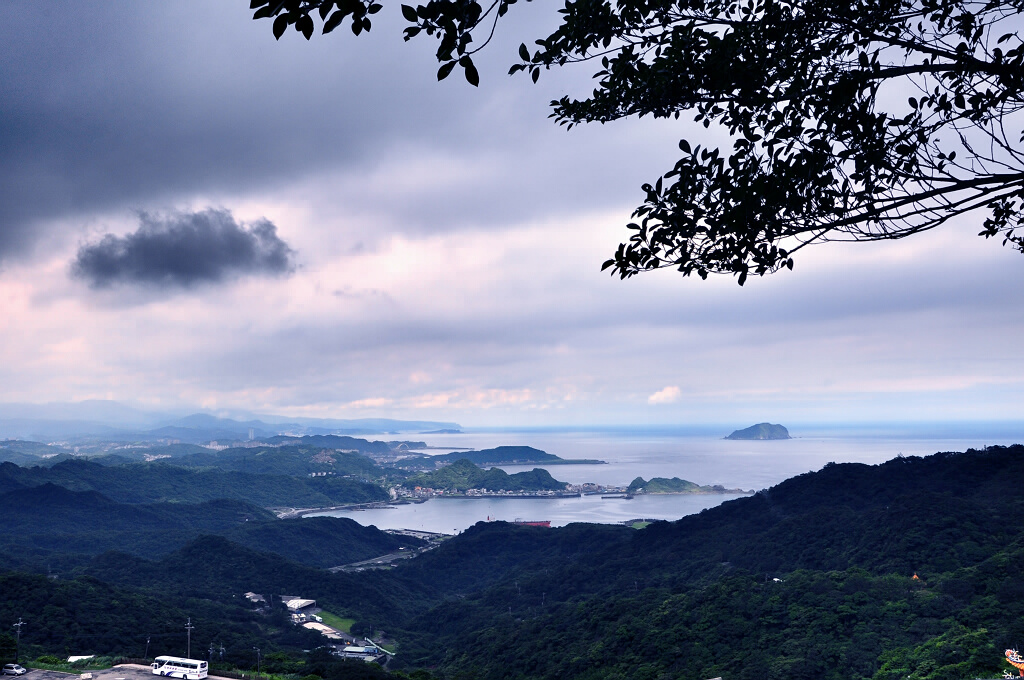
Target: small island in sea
<point>661,485</point>
<point>761,431</point>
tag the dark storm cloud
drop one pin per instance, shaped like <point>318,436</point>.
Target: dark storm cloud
<point>113,105</point>
<point>109,105</point>
<point>183,250</point>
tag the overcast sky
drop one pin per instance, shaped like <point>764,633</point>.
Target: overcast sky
<point>193,214</point>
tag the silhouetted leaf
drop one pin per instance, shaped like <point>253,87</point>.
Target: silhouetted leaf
<point>445,70</point>
<point>280,26</point>
<point>334,21</point>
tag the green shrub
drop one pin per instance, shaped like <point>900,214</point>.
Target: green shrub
<point>94,662</point>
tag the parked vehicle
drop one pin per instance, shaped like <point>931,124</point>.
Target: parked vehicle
<point>177,667</point>
<point>14,669</point>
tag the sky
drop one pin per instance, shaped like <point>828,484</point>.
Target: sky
<point>194,215</point>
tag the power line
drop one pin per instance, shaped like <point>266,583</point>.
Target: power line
<point>17,642</point>
<point>188,628</point>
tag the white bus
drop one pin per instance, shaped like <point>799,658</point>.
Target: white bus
<point>176,667</point>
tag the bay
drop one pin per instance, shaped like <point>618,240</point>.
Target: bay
<point>634,452</point>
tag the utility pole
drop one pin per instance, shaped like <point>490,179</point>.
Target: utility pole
<point>17,643</point>
<point>257,661</point>
<point>146,655</point>
<point>188,628</point>
<point>222,651</point>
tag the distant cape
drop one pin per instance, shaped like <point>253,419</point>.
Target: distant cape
<point>761,431</point>
<point>662,485</point>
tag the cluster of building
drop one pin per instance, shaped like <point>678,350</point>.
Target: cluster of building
<point>590,488</point>
<point>492,492</point>
<point>416,492</point>
<point>424,492</point>
<point>305,613</point>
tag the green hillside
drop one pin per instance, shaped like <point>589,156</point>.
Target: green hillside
<point>812,578</point>
<point>698,597</point>
<point>319,541</point>
<point>463,475</point>
<point>90,616</point>
<point>21,452</point>
<point>506,455</point>
<point>341,442</point>
<point>51,525</point>
<point>662,485</point>
<point>501,455</point>
<point>144,453</point>
<point>161,482</point>
<point>297,461</point>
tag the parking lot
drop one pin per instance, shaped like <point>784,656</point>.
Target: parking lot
<point>125,672</point>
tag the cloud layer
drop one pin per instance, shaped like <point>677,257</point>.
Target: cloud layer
<point>183,250</point>
<point>450,240</point>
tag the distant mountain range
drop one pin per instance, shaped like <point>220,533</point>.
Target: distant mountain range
<point>113,420</point>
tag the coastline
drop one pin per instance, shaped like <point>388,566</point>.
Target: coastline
<point>714,492</point>
<point>562,461</point>
<point>291,513</point>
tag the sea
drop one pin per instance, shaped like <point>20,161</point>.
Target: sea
<point>700,457</point>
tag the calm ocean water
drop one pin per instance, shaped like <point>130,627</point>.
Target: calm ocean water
<point>631,453</point>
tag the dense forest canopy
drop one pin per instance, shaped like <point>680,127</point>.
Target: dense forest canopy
<point>911,568</point>
<point>463,475</point>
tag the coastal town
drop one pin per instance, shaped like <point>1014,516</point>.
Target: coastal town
<point>421,493</point>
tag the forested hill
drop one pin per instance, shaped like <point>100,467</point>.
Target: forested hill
<point>697,597</point>
<point>50,525</point>
<point>344,443</point>
<point>909,514</point>
<point>27,452</point>
<point>286,460</point>
<point>160,482</point>
<point>507,455</point>
<point>663,485</point>
<point>812,578</point>
<point>462,475</point>
<point>501,455</point>
<point>217,569</point>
